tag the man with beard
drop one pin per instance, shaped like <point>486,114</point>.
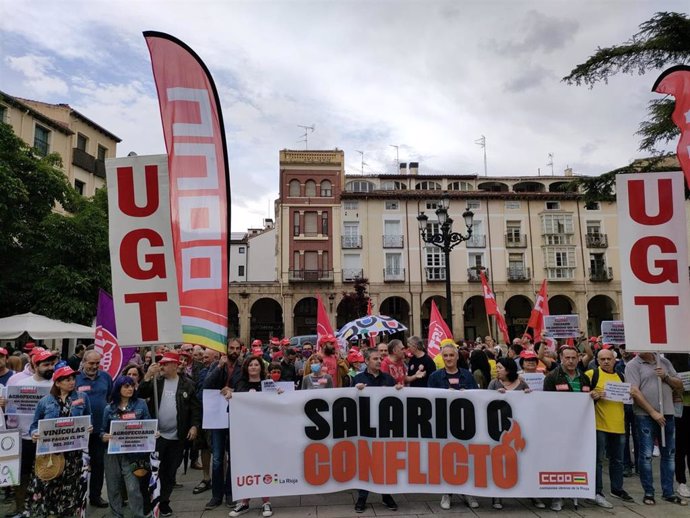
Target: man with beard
<point>224,376</point>
<point>394,363</point>
<point>97,385</point>
<point>330,359</point>
<point>44,366</point>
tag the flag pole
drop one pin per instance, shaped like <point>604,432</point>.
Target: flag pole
<point>661,401</point>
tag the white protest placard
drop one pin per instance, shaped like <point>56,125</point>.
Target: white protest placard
<point>562,326</point>
<point>132,435</point>
<point>10,457</point>
<point>685,378</point>
<point>63,434</point>
<point>613,332</point>
<point>144,278</point>
<point>273,386</point>
<point>653,246</point>
<point>617,391</point>
<point>535,380</point>
<point>22,399</point>
<point>216,410</point>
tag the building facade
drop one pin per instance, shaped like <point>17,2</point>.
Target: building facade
<point>333,228</point>
<point>58,128</point>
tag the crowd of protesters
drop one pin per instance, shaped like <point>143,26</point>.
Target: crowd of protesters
<point>628,435</point>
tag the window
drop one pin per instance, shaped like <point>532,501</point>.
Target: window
<point>359,186</point>
<point>593,205</point>
<point>324,261</point>
<point>435,264</point>
<point>240,250</point>
<point>240,270</point>
<point>516,261</point>
<point>295,224</point>
<point>557,223</point>
<point>350,204</point>
<point>513,233</point>
<point>294,188</point>
<point>560,257</point>
<point>390,185</point>
<point>460,186</point>
<point>594,228</point>
<point>81,141</point>
<point>393,265</point>
<point>79,186</point>
<point>392,205</point>
<point>432,205</point>
<point>310,189</point>
<point>553,205</point>
<point>310,223</point>
<point>475,260</point>
<point>3,113</point>
<point>326,190</point>
<point>324,223</point>
<point>102,152</point>
<point>41,140</point>
<point>473,204</point>
<point>512,205</point>
<point>295,261</point>
<point>428,186</point>
<point>311,261</point>
<point>597,262</point>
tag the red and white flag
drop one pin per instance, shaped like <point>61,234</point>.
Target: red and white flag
<point>676,82</point>
<point>541,309</point>
<point>492,308</point>
<point>438,331</point>
<point>323,323</point>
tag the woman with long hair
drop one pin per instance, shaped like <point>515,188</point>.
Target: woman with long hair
<point>480,368</point>
<point>120,468</point>
<point>64,494</point>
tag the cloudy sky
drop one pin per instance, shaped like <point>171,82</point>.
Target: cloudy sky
<point>427,76</point>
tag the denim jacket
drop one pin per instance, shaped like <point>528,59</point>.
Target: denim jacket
<point>49,408</point>
<point>137,407</point>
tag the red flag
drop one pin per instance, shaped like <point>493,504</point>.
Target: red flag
<point>438,331</point>
<point>676,82</point>
<point>199,187</point>
<point>541,308</point>
<point>492,308</point>
<point>323,323</point>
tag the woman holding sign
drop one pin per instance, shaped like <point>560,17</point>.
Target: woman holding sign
<point>121,469</point>
<point>64,494</point>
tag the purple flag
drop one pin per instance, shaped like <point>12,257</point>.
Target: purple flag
<point>114,357</point>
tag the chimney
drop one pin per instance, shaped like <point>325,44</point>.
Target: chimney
<point>414,168</point>
<point>403,168</point>
<point>568,171</point>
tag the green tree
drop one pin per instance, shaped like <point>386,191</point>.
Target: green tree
<point>354,303</point>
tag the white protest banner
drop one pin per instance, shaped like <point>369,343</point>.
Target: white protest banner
<point>562,326</point>
<point>22,399</point>
<point>10,457</point>
<point>616,391</point>
<point>63,434</point>
<point>535,380</point>
<point>273,386</point>
<point>653,246</point>
<point>215,410</point>
<point>613,332</point>
<point>475,442</point>
<point>685,378</point>
<point>145,295</point>
<point>132,435</point>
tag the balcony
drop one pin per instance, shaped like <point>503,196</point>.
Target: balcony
<point>435,273</point>
<point>393,241</point>
<point>596,240</point>
<point>351,241</point>
<point>519,274</point>
<point>352,274</point>
<point>100,168</point>
<point>82,159</point>
<point>516,240</point>
<point>601,274</point>
<point>557,239</point>
<point>311,276</point>
<point>473,273</point>
<point>476,241</point>
<point>394,274</point>
<point>564,273</point>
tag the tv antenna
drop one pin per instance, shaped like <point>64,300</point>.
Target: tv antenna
<point>363,162</point>
<point>481,142</point>
<point>550,162</point>
<point>305,137</point>
<point>397,154</point>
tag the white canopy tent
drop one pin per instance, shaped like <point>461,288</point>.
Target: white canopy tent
<point>39,327</point>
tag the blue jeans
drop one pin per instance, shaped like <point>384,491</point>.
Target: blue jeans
<point>647,430</point>
<point>610,444</point>
<point>118,468</point>
<point>221,480</point>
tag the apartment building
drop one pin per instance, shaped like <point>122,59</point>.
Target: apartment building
<point>58,128</point>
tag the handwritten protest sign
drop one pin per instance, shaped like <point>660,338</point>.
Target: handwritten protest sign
<point>10,457</point>
<point>562,326</point>
<point>685,378</point>
<point>23,399</point>
<point>615,391</point>
<point>133,436</point>
<point>63,434</point>
<point>613,332</point>
<point>535,380</point>
<point>273,386</point>
<point>216,410</point>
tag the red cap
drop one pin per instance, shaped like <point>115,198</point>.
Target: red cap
<point>593,339</point>
<point>28,346</point>
<point>42,355</point>
<point>285,341</point>
<point>170,358</point>
<point>278,355</point>
<point>354,356</point>
<point>63,372</point>
<point>275,341</point>
<point>327,339</point>
<point>4,351</point>
<point>257,351</point>
<point>528,355</point>
<point>35,350</point>
<point>607,346</point>
<point>257,343</point>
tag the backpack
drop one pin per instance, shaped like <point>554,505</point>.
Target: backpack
<point>595,378</point>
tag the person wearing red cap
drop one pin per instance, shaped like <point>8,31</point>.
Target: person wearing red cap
<point>179,419</point>
<point>529,361</point>
<point>332,366</point>
<point>63,495</point>
<point>285,342</point>
<point>5,373</point>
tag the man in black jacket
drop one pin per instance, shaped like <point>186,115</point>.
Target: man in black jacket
<point>179,418</point>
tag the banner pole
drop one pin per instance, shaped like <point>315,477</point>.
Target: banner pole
<point>155,383</point>
<point>661,401</point>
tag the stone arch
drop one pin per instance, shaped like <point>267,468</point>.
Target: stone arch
<point>561,305</point>
<point>233,319</point>
<point>399,309</point>
<point>426,311</point>
<point>266,319</point>
<point>600,308</point>
<point>493,187</point>
<point>474,318</point>
<point>529,186</point>
<point>304,316</point>
<point>518,309</point>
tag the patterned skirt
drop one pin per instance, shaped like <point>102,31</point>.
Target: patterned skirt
<point>62,496</point>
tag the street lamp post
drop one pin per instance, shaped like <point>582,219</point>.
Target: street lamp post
<point>446,240</point>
